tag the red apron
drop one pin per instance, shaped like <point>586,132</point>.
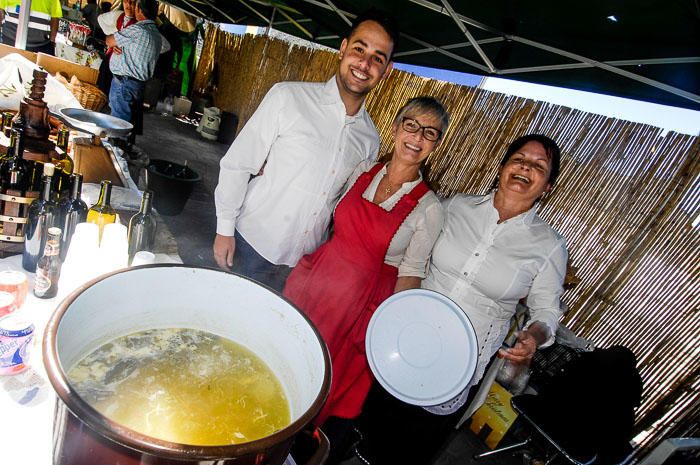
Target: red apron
<point>341,284</point>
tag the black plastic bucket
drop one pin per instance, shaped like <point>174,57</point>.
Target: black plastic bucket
<point>228,127</point>
<point>172,185</point>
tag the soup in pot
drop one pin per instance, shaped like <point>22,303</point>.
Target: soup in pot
<point>183,385</point>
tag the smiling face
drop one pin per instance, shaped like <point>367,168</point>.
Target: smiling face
<point>364,60</point>
<point>129,8</point>
<point>526,173</point>
<point>412,148</point>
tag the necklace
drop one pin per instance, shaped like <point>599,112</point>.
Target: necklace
<point>389,187</point>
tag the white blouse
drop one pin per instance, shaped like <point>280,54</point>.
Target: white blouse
<point>487,267</point>
<point>413,242</point>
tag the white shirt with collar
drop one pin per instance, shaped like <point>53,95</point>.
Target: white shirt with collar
<point>309,147</point>
<point>410,248</point>
<point>487,267</point>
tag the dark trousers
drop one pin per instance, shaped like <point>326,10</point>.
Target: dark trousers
<point>247,262</point>
<point>126,102</point>
<point>398,433</point>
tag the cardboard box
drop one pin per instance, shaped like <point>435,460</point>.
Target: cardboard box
<point>181,106</point>
<point>54,65</point>
<point>495,417</point>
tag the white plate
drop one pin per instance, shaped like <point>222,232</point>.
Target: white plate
<point>421,347</point>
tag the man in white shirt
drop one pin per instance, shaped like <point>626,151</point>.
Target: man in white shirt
<point>309,137</point>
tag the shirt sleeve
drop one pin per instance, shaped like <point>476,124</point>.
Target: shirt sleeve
<point>124,35</point>
<point>245,158</point>
<point>543,299</point>
<point>415,260</point>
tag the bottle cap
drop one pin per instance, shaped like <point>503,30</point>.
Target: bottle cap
<point>48,169</point>
<point>54,231</point>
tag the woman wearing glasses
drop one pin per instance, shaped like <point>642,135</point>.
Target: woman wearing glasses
<point>385,226</point>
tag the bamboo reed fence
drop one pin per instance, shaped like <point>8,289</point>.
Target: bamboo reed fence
<point>627,201</point>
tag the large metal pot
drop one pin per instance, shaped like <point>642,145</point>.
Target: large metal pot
<point>179,296</point>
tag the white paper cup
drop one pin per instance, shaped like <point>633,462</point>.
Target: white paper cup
<point>143,257</point>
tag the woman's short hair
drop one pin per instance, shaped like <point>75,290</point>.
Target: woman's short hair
<point>550,147</point>
<point>422,105</point>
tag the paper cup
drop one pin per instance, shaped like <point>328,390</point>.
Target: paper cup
<point>16,283</point>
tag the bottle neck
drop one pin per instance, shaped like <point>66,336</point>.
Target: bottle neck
<point>13,142</point>
<point>19,144</point>
<point>52,246</point>
<point>77,187</point>
<point>46,190</point>
<point>16,158</point>
<point>105,194</point>
<point>146,203</point>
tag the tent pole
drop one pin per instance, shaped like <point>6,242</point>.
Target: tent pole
<point>25,9</point>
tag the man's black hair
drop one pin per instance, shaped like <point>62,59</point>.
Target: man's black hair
<point>385,20</point>
<point>148,7</point>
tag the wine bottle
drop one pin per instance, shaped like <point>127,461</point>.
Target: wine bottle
<point>64,165</point>
<point>64,168</point>
<point>48,269</point>
<point>102,212</point>
<point>7,123</point>
<point>41,216</point>
<point>18,125</point>
<point>71,211</point>
<point>14,174</point>
<point>142,227</point>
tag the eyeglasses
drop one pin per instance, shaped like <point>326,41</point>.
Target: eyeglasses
<point>429,133</point>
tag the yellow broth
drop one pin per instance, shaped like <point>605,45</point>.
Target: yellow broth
<point>183,385</point>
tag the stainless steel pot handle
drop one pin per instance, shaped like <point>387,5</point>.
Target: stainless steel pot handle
<point>324,446</point>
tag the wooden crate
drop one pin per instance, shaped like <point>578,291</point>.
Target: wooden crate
<point>95,162</point>
<point>13,220</point>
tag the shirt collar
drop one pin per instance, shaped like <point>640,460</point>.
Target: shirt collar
<point>525,218</point>
<point>407,184</point>
<point>331,96</point>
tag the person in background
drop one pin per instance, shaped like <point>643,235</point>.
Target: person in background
<point>385,226</point>
<point>90,12</point>
<point>493,251</point>
<point>309,137</point>
<point>43,24</point>
<point>136,49</point>
<point>108,24</point>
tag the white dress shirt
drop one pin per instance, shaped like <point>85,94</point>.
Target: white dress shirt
<point>487,267</point>
<point>413,242</point>
<point>309,147</point>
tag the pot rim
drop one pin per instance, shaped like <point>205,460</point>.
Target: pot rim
<point>148,444</point>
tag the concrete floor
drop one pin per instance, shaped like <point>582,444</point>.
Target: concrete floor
<point>167,138</point>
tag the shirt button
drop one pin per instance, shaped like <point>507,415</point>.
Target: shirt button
<point>465,273</point>
<point>476,254</point>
